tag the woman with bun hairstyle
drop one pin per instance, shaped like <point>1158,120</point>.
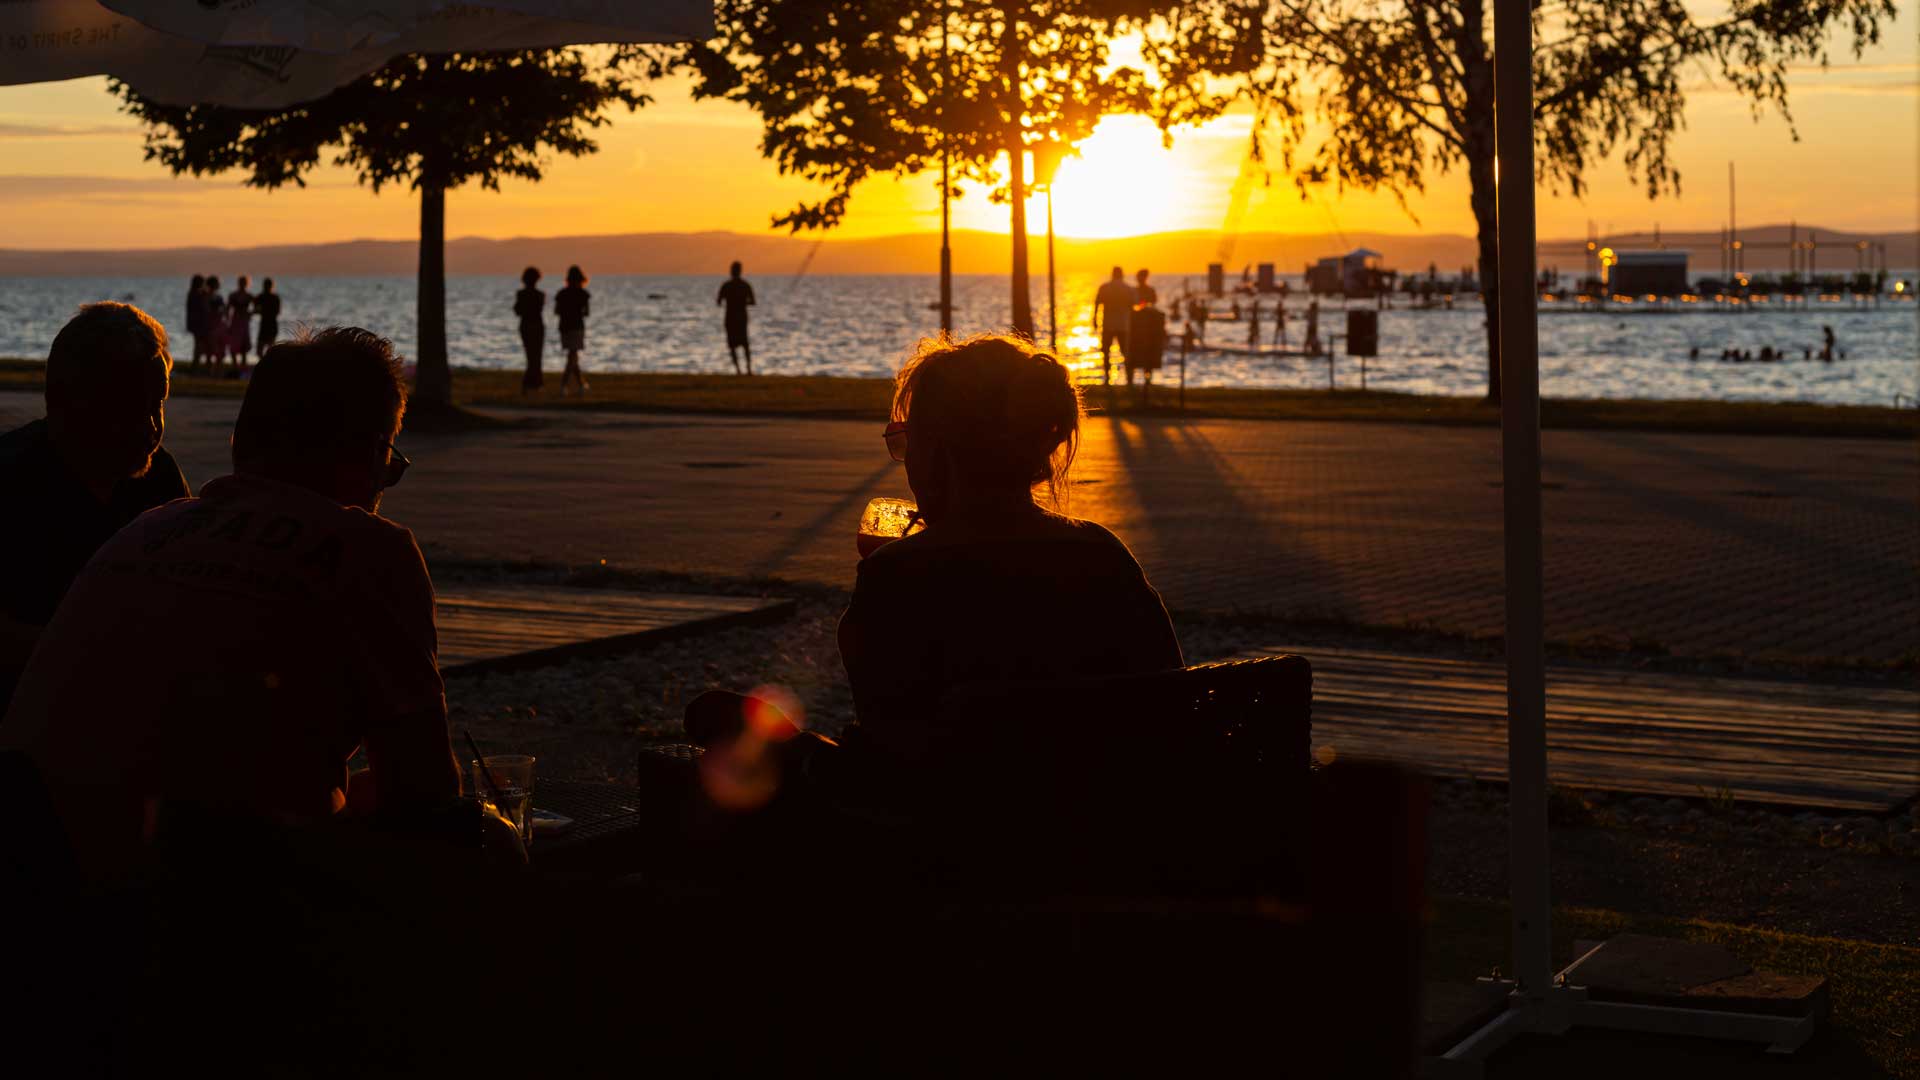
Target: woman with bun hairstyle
<point>1001,584</point>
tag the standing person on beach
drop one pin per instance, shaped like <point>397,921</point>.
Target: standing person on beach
<point>737,295</point>
<point>1253,326</point>
<point>529,303</point>
<point>216,323</point>
<point>1113,310</point>
<point>1280,317</point>
<point>197,316</point>
<point>570,305</point>
<point>1313,328</point>
<point>240,323</point>
<point>268,305</point>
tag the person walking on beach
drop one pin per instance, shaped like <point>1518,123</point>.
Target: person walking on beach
<point>1280,317</point>
<point>216,323</point>
<point>1313,328</point>
<point>1113,311</point>
<point>197,316</point>
<point>1146,343</point>
<point>570,305</point>
<point>1144,295</point>
<point>529,304</point>
<point>737,296</point>
<point>240,323</point>
<point>1253,325</point>
<point>268,305</point>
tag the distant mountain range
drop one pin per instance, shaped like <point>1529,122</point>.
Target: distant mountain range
<point>1170,253</point>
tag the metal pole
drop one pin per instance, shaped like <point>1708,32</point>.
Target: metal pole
<point>946,250</point>
<point>1520,461</point>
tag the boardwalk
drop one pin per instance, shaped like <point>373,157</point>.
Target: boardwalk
<point>504,625</point>
<point>1761,740</point>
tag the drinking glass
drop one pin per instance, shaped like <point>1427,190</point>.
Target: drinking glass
<point>885,521</point>
<point>511,790</point>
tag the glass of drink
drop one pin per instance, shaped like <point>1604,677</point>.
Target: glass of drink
<point>885,521</point>
<point>505,783</point>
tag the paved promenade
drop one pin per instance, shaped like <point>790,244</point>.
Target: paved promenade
<point>1699,544</point>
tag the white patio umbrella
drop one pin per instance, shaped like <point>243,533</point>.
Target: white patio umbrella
<point>274,53</point>
<point>1538,1003</point>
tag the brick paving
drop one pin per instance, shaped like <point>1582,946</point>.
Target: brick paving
<point>1769,547</point>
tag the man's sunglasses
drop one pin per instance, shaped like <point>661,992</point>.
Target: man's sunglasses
<point>397,463</point>
<point>896,436</point>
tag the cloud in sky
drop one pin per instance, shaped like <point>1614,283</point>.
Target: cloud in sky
<point>17,130</point>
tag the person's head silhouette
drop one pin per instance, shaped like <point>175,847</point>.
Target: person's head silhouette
<point>266,286</point>
<point>213,283</point>
<point>321,413</point>
<point>108,374</point>
<point>199,282</point>
<point>987,420</point>
<point>1119,274</point>
<point>241,284</point>
<point>734,270</point>
<point>1141,276</point>
<point>575,276</point>
<point>530,276</point>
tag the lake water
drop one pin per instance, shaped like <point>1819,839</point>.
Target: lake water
<point>863,325</point>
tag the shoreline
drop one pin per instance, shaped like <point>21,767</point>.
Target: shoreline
<point>843,397</point>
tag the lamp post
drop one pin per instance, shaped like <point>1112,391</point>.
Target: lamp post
<point>946,249</point>
<point>1047,155</point>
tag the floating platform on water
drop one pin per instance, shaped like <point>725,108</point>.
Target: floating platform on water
<point>1261,350</point>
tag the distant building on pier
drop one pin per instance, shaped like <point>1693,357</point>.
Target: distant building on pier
<point>1357,273</point>
<point>1649,273</point>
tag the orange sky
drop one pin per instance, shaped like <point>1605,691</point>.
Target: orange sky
<point>72,176</point>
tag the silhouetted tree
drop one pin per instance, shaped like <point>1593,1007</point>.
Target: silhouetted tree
<point>433,121</point>
<point>1376,94</point>
<point>850,89</point>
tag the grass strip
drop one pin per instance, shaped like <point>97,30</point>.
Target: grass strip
<point>851,398</point>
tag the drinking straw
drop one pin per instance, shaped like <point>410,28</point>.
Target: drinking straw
<point>486,774</point>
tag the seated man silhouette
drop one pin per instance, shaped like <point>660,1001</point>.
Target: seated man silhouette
<point>224,656</point>
<point>74,479</point>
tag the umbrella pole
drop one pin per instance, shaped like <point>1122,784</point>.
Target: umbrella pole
<point>1539,1001</point>
<point>1520,476</point>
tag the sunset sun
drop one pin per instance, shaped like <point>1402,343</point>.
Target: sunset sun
<point>1122,183</point>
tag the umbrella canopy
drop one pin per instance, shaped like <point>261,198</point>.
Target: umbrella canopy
<point>274,53</point>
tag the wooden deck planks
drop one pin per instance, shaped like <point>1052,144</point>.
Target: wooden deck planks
<point>1763,740</point>
<point>484,626</point>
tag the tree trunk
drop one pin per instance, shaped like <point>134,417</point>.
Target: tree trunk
<point>1014,112</point>
<point>1022,302</point>
<point>1486,218</point>
<point>433,378</point>
<point>1477,89</point>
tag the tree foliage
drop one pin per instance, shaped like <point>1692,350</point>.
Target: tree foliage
<point>1384,94</point>
<point>433,122</point>
<point>848,90</point>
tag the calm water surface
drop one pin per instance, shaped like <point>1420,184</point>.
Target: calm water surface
<point>864,325</point>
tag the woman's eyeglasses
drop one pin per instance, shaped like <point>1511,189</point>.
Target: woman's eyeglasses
<point>396,465</point>
<point>896,436</point>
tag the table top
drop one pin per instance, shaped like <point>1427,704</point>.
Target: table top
<point>598,810</point>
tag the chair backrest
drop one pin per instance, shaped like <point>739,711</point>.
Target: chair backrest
<point>1186,780</point>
